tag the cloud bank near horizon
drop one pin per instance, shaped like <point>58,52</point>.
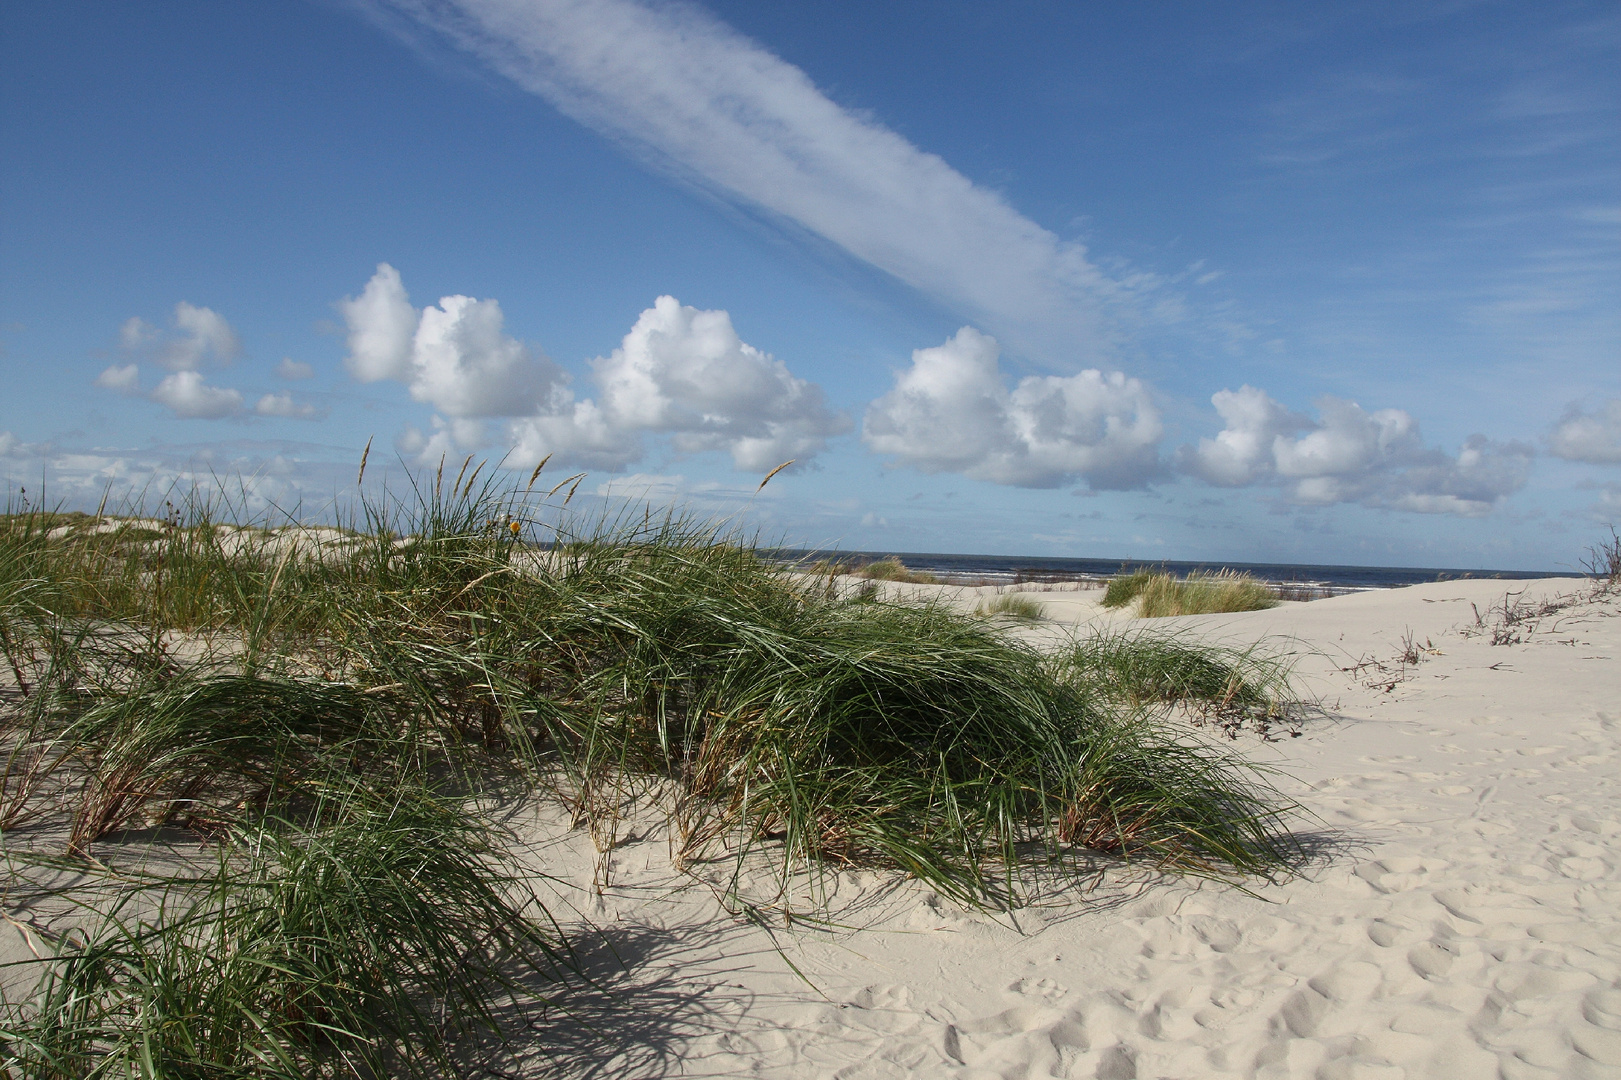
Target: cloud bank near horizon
<point>695,98</point>
<point>1349,455</point>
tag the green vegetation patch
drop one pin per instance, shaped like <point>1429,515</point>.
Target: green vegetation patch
<point>340,711</point>
<point>1013,606</point>
<point>891,568</point>
<point>1159,594</point>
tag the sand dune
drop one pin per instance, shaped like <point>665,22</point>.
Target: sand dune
<point>1461,916</point>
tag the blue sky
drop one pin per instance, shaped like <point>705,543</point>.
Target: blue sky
<point>1309,283</point>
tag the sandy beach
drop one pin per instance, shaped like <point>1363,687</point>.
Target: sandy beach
<point>1460,915</point>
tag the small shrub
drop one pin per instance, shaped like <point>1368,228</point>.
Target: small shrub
<point>1603,562</point>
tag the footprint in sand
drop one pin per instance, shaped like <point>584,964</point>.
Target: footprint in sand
<point>1388,933</point>
<point>883,996</point>
<point>1399,873</point>
<point>1042,988</point>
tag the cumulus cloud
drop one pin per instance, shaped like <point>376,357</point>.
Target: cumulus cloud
<point>951,411</point>
<point>123,379</point>
<point>1350,455</point>
<point>293,370</point>
<point>686,372</point>
<point>189,396</point>
<point>456,357</point>
<point>283,405</point>
<point>1608,507</point>
<point>680,372</point>
<point>1591,437</point>
<point>136,333</point>
<point>201,334</point>
<point>693,97</point>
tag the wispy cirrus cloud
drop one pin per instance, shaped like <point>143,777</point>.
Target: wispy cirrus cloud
<point>697,99</point>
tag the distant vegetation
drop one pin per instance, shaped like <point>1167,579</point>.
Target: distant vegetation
<point>1603,562</point>
<point>890,568</point>
<point>1159,594</point>
<point>342,714</point>
<point>1012,605</point>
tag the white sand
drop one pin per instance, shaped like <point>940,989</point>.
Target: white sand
<point>1462,917</point>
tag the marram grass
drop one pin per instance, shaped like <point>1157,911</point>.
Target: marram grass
<point>1013,606</point>
<point>1159,594</point>
<point>220,676</point>
<point>366,938</point>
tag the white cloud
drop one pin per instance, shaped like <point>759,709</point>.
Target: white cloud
<point>1591,437</point>
<point>644,487</point>
<point>579,432</point>
<point>293,370</point>
<point>680,372</point>
<point>686,372</point>
<point>382,324</point>
<point>455,357</point>
<point>1608,507</point>
<point>136,333</point>
<point>951,411</point>
<point>446,437</point>
<point>283,405</point>
<point>202,333</point>
<point>123,379</point>
<point>692,96</point>
<point>190,397</point>
<point>1351,455</point>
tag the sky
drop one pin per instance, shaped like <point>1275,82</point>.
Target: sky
<point>1260,282</point>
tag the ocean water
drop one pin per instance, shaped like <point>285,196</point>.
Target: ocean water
<point>1000,569</point>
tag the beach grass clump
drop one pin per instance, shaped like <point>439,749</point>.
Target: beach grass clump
<point>915,737</point>
<point>1603,562</point>
<point>362,937</point>
<point>890,568</point>
<point>192,673</point>
<point>1144,670</point>
<point>1159,594</point>
<point>1122,589</point>
<point>1012,606</point>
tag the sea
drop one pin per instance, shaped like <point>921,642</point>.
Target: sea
<point>1012,569</point>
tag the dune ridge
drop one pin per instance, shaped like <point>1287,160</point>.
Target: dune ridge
<point>1461,915</point>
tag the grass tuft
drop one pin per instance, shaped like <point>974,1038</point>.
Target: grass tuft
<point>1603,562</point>
<point>458,647</point>
<point>1013,606</point>
<point>1159,594</point>
<point>366,938</point>
<point>891,568</point>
